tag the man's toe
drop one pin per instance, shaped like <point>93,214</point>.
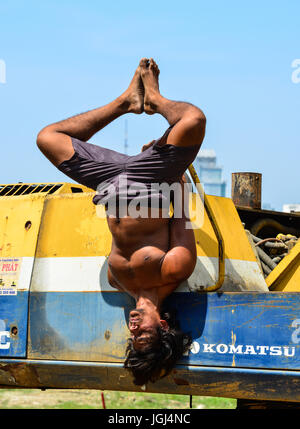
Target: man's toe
<point>144,62</point>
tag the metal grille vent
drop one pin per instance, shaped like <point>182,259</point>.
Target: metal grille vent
<point>25,189</point>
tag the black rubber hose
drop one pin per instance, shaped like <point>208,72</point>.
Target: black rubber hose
<point>256,239</point>
<point>265,258</point>
<point>275,245</point>
<point>265,268</point>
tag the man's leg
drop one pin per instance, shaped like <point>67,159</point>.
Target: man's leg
<point>188,120</point>
<point>55,140</point>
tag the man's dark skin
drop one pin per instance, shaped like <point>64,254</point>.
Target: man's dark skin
<point>149,257</point>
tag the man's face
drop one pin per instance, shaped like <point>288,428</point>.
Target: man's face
<point>143,328</point>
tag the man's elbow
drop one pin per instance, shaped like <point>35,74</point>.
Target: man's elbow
<point>181,273</point>
<point>177,277</point>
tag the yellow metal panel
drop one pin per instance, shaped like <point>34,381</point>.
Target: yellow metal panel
<point>19,224</point>
<point>67,189</point>
<point>237,245</point>
<point>71,227</point>
<point>286,276</point>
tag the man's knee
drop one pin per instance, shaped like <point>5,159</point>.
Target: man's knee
<point>198,120</point>
<point>43,138</point>
<point>190,129</point>
<point>195,124</point>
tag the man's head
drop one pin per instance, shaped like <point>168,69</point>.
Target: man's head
<point>155,345</point>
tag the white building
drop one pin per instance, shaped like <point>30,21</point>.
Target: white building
<point>209,173</point>
<point>290,208</point>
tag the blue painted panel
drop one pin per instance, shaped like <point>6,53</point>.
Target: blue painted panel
<point>258,330</point>
<point>13,313</point>
<point>87,326</point>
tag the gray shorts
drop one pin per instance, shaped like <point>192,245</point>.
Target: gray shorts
<point>101,169</point>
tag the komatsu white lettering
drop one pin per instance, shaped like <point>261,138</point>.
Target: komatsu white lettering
<point>262,349</point>
<point>208,348</point>
<point>250,350</point>
<point>222,348</point>
<point>288,353</point>
<point>275,351</point>
<point>236,349</point>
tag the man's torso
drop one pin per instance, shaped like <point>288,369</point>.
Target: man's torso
<point>138,250</point>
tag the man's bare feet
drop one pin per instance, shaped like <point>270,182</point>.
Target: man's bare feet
<point>149,74</point>
<point>134,95</point>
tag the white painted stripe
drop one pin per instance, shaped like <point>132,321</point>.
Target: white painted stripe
<point>89,274</point>
<point>239,275</point>
<point>71,274</point>
<point>25,273</point>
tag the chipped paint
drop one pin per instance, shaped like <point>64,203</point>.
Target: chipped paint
<point>202,380</point>
<point>18,374</point>
<point>233,340</point>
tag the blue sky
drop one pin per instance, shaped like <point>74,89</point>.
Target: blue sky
<point>231,58</point>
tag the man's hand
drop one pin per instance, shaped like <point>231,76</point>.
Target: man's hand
<point>146,146</point>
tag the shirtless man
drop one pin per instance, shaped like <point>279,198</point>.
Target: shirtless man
<point>150,257</point>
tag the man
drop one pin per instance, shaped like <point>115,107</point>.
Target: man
<point>150,256</point>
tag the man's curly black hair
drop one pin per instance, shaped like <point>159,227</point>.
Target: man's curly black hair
<point>157,360</point>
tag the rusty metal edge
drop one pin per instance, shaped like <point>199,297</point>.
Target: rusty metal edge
<point>239,383</point>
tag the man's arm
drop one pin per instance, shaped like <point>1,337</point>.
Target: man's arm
<point>55,140</point>
<point>180,260</point>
